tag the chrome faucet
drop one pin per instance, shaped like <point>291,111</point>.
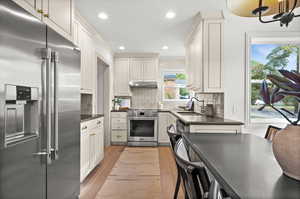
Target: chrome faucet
<point>201,101</point>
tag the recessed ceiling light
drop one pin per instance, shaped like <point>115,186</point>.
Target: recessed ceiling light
<point>165,47</point>
<point>103,15</point>
<point>122,48</point>
<point>170,15</point>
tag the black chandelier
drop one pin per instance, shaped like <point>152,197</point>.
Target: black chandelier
<point>284,16</point>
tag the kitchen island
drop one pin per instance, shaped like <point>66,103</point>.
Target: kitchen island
<point>244,165</point>
<point>191,122</point>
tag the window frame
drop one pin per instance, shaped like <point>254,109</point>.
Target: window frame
<point>292,38</point>
<point>164,71</point>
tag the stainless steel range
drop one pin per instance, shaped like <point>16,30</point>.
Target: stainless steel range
<point>142,127</point>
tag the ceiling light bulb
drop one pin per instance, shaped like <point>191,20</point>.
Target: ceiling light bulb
<point>103,15</point>
<point>122,48</point>
<point>165,47</point>
<point>170,15</point>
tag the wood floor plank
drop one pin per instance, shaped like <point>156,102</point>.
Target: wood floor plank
<point>166,175</point>
<point>93,183</point>
<point>136,175</point>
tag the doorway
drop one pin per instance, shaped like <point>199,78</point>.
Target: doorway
<point>103,95</point>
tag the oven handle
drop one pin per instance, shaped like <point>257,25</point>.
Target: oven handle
<point>142,118</point>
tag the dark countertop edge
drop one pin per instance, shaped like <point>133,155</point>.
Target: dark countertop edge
<point>225,185</point>
<point>91,117</point>
<point>232,122</point>
<point>118,110</point>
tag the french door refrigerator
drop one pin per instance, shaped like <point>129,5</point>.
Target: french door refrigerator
<point>39,109</point>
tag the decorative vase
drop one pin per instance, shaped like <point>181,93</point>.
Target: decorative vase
<point>286,149</point>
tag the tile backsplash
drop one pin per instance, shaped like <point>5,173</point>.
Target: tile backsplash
<point>144,98</point>
<point>217,99</point>
<point>86,104</point>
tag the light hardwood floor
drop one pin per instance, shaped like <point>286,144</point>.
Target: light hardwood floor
<point>168,173</point>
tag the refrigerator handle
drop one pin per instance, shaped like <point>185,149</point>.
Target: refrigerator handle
<point>46,55</point>
<point>54,60</point>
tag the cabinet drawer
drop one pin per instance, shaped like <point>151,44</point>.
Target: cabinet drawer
<point>119,136</point>
<point>96,123</point>
<point>119,123</point>
<point>119,115</point>
<point>215,129</point>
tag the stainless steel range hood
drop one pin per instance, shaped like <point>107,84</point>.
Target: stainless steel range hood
<point>143,84</point>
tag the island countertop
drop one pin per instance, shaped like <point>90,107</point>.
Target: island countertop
<point>198,119</point>
<point>87,117</point>
<point>244,165</point>
<point>204,120</point>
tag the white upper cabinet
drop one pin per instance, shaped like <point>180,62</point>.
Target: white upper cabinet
<point>32,6</point>
<point>88,60</point>
<point>58,15</point>
<point>136,69</point>
<point>213,56</point>
<point>204,55</point>
<point>128,69</point>
<point>143,68</point>
<point>150,69</point>
<point>121,77</point>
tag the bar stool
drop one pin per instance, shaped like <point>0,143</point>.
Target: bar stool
<point>174,136</point>
<point>215,191</point>
<point>194,176</point>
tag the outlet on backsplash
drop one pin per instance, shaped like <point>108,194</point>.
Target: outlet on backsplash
<point>216,99</point>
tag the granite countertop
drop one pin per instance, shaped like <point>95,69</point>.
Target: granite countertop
<point>87,117</point>
<point>191,118</point>
<point>119,110</point>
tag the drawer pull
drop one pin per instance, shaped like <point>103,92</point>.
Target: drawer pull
<point>83,128</point>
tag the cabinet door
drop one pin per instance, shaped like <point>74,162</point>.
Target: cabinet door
<point>92,147</point>
<point>150,69</point>
<point>88,60</point>
<point>32,6</point>
<point>82,45</point>
<point>121,77</point>
<point>58,14</point>
<point>75,32</point>
<point>213,56</point>
<point>163,124</point>
<point>136,69</point>
<point>84,152</point>
<point>100,145</point>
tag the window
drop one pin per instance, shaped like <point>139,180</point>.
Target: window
<point>174,86</point>
<point>268,59</point>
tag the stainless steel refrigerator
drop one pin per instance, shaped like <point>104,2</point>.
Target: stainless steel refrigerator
<point>39,109</point>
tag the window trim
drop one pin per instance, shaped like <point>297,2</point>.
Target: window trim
<point>163,85</point>
<point>268,37</point>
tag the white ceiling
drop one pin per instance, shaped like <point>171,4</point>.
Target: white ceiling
<point>141,26</point>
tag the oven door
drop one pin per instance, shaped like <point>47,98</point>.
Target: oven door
<point>142,129</point>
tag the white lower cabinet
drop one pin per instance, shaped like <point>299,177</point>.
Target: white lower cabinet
<point>119,128</point>
<point>165,120</point>
<point>84,151</point>
<point>91,146</point>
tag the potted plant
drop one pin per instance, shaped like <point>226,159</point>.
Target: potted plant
<point>117,103</point>
<point>286,143</point>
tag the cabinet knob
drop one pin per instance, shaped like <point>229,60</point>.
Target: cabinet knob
<point>40,11</point>
<point>46,15</point>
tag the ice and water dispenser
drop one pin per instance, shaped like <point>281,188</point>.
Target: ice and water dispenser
<point>21,114</point>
